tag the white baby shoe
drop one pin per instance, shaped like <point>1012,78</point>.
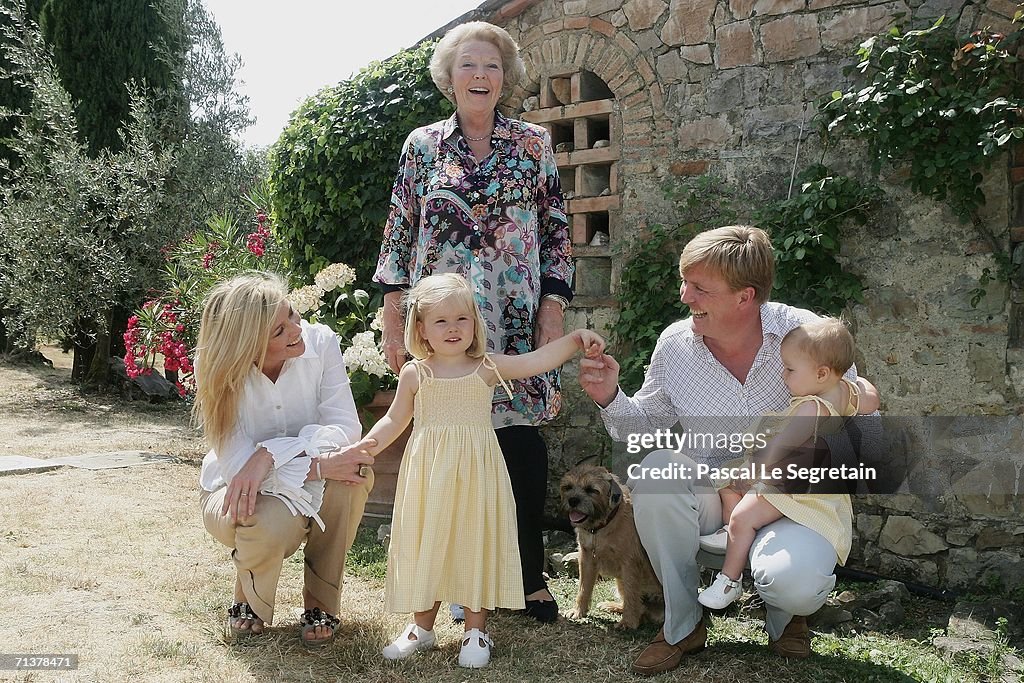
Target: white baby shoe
<point>403,646</point>
<point>720,594</point>
<point>715,543</point>
<point>476,649</point>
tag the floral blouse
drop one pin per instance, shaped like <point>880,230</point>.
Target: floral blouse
<point>500,223</point>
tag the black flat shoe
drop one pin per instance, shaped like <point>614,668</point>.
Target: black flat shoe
<point>544,611</point>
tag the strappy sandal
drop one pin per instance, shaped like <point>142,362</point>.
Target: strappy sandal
<point>242,610</point>
<point>312,618</point>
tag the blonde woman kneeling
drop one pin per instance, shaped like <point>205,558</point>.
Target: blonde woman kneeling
<point>274,403</point>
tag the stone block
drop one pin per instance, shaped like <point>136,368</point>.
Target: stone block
<point>596,7</point>
<point>671,68</point>
<point>764,8</point>
<point>869,526</point>
<point>822,4</point>
<point>725,93</point>
<point>789,38</point>
<point>987,362</point>
<point>571,7</point>
<point>643,14</point>
<point>997,538</point>
<point>908,537</point>
<point>736,45</point>
<point>704,134</point>
<point>689,22</point>
<point>852,26</point>
<point>698,54</point>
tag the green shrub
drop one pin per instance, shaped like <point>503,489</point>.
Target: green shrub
<point>333,167</point>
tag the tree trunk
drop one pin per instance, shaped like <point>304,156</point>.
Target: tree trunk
<point>84,345</point>
<point>98,374</point>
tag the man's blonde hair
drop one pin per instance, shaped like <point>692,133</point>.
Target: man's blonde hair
<point>741,254</point>
<point>447,51</point>
<point>233,337</point>
<point>827,342</point>
<point>429,292</point>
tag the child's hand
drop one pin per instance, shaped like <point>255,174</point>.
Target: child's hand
<point>591,343</point>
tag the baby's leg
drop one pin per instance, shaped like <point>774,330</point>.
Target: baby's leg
<point>750,514</point>
<point>730,497</point>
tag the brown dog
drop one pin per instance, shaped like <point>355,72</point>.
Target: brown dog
<point>599,508</point>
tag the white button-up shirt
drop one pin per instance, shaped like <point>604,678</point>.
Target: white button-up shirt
<point>686,385</point>
<point>307,410</point>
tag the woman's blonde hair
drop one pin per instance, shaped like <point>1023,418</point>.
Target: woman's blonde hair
<point>429,292</point>
<point>741,254</point>
<point>827,342</point>
<point>447,49</point>
<point>233,335</point>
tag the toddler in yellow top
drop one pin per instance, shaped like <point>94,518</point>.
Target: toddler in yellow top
<point>815,356</point>
<point>453,534</point>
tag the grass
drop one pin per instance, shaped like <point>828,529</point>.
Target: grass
<point>115,566</point>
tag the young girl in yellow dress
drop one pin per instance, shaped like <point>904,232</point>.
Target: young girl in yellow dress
<point>453,536</point>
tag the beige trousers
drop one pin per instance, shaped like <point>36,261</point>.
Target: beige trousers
<point>260,543</point>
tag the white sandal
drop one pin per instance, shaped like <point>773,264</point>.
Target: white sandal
<point>403,646</point>
<point>476,649</point>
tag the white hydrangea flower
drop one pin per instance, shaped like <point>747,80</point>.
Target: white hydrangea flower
<point>306,299</point>
<point>378,320</point>
<point>335,276</point>
<point>364,355</point>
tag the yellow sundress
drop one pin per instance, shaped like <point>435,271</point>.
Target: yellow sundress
<point>830,514</point>
<point>453,534</point>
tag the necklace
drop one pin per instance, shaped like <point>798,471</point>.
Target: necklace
<point>482,137</point>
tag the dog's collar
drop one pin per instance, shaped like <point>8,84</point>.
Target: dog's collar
<point>615,511</point>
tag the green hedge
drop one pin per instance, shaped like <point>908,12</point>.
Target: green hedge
<point>332,169</point>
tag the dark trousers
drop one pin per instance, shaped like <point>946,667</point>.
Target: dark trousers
<point>526,457</point>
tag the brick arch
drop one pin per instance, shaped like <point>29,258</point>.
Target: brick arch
<point>610,55</point>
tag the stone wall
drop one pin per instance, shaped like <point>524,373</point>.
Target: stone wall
<point>727,87</point>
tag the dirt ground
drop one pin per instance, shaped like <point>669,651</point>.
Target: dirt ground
<point>114,565</point>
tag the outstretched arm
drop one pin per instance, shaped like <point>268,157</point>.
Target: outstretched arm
<point>549,356</point>
<point>391,426</point>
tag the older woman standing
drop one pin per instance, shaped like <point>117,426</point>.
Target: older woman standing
<point>478,194</point>
<point>274,402</point>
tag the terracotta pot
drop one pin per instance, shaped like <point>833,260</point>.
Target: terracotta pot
<point>381,502</point>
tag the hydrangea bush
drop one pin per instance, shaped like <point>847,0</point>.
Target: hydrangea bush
<point>356,317</point>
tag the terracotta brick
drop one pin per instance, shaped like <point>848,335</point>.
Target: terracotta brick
<point>645,70</point>
<point>627,45</point>
<point>515,8</point>
<point>630,86</point>
<point>551,27</point>
<point>602,27</point>
<point>685,168</point>
<point>634,99</point>
<point>689,22</point>
<point>581,50</point>
<point>638,113</point>
<point>736,45</point>
<point>643,14</point>
<point>575,23</point>
<point>790,38</point>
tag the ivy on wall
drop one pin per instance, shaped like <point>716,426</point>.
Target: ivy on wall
<point>805,233</point>
<point>332,169</point>
<point>942,106</point>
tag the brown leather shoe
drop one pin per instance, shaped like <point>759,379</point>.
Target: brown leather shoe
<point>795,641</point>
<point>661,656</point>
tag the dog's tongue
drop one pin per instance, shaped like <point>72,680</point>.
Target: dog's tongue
<point>576,517</point>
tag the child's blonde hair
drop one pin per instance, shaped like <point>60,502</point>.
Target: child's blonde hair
<point>827,342</point>
<point>429,292</point>
<point>233,335</point>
